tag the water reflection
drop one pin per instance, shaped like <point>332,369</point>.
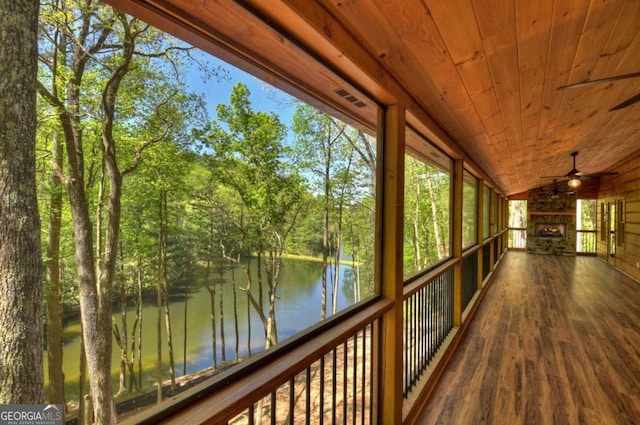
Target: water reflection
<point>298,305</point>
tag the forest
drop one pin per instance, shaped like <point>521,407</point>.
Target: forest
<point>147,193</point>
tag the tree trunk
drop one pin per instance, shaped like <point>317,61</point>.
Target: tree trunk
<point>96,335</point>
<point>139,317</point>
<point>124,349</point>
<point>82,384</point>
<point>415,225</point>
<point>163,283</point>
<point>121,377</point>
<point>214,343</point>
<point>211,290</point>
<point>223,344</point>
<point>53,276</point>
<point>139,306</point>
<point>440,244</point>
<point>325,244</point>
<point>249,313</point>
<point>272,279</point>
<point>338,235</point>
<point>159,323</point>
<point>54,299</point>
<point>235,312</point>
<point>133,382</point>
<point>21,359</point>
<point>355,267</point>
<point>184,330</point>
<point>95,311</point>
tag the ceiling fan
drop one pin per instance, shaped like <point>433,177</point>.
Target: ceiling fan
<point>575,176</point>
<point>555,192</point>
<point>628,102</point>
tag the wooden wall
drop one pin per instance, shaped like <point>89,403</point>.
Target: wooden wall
<point>624,187</point>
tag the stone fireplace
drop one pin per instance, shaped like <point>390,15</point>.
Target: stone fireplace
<point>551,225</point>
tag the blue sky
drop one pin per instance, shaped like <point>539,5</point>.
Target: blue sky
<point>264,97</point>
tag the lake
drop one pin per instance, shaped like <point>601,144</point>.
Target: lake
<point>298,306</point>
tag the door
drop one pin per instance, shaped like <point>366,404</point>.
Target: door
<point>611,231</point>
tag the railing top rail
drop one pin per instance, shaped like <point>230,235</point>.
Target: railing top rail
<point>471,250</point>
<point>420,281</point>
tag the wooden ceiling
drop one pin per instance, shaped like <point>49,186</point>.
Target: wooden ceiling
<point>479,77</point>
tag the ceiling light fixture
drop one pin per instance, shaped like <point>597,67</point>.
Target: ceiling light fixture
<point>574,182</point>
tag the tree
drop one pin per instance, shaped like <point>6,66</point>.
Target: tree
<point>21,376</point>
<point>427,213</point>
<point>317,140</point>
<point>53,279</point>
<point>51,211</point>
<point>109,51</point>
<point>341,166</point>
<point>248,157</point>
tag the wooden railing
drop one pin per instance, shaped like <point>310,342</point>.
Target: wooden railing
<point>324,375</point>
<point>329,373</point>
<point>429,312</point>
<point>486,260</point>
<point>428,319</point>
<point>586,241</point>
<point>517,237</point>
<point>337,388</point>
<point>469,277</point>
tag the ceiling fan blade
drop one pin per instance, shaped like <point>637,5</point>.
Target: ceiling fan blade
<point>604,173</point>
<point>626,103</point>
<point>600,80</point>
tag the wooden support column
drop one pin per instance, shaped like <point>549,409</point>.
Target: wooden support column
<point>493,226</point>
<point>456,240</point>
<point>480,215</point>
<point>389,243</point>
<point>500,226</point>
<point>505,223</point>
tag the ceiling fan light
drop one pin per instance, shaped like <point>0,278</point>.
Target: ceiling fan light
<point>574,183</point>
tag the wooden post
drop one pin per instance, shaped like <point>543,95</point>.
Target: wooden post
<point>456,240</point>
<point>502,223</point>
<point>389,244</point>
<point>480,215</point>
<point>493,226</point>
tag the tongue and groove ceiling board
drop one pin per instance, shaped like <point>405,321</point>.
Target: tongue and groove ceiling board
<point>482,74</point>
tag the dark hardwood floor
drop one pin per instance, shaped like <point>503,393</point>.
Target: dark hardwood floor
<point>555,341</point>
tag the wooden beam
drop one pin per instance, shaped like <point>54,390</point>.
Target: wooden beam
<point>391,213</point>
<point>480,228</point>
<point>456,240</point>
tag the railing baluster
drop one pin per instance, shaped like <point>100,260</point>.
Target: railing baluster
<point>345,381</point>
<point>307,414</point>
<point>334,385</point>
<point>274,405</point>
<point>321,392</point>
<point>364,373</point>
<point>251,418</point>
<point>354,405</point>
<point>292,401</point>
